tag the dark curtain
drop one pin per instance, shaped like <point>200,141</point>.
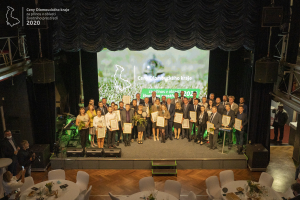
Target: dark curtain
<point>92,25</point>
<point>16,108</point>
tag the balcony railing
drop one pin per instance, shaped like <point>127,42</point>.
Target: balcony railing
<point>13,50</point>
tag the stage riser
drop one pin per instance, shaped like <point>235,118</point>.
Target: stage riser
<point>145,164</point>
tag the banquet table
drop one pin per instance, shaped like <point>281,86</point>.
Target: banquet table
<point>160,196</point>
<point>231,186</point>
<point>70,193</point>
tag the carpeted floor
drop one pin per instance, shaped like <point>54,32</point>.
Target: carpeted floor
<point>175,149</point>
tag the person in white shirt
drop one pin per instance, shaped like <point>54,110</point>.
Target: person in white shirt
<point>111,134</point>
<point>11,183</point>
<point>99,123</point>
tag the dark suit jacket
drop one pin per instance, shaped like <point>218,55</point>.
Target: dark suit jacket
<point>220,108</point>
<point>150,100</point>
<point>141,101</point>
<point>244,119</point>
<point>186,115</point>
<point>192,102</point>
<point>296,198</point>
<point>204,119</point>
<point>123,116</point>
<point>150,104</point>
<point>181,99</point>
<point>232,115</point>
<point>217,121</point>
<point>7,149</point>
<point>24,158</point>
<point>171,111</point>
<point>191,108</point>
<point>104,111</point>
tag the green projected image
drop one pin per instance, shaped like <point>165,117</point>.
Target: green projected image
<point>129,72</point>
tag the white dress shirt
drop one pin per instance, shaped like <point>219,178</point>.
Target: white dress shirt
<point>11,186</point>
<point>108,117</point>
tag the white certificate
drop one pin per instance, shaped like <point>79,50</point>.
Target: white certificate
<point>154,116</point>
<point>186,123</point>
<point>178,118</point>
<point>114,124</point>
<point>126,99</point>
<point>117,112</point>
<point>210,128</point>
<point>238,124</point>
<point>160,121</point>
<point>101,132</point>
<point>146,109</point>
<point>226,120</point>
<point>127,128</point>
<point>193,116</point>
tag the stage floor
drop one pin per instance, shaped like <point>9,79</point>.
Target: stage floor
<point>189,155</point>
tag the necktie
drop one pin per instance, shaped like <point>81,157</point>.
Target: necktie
<point>168,107</point>
<point>195,108</point>
<point>212,116</point>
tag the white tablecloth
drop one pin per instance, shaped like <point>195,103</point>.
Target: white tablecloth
<point>70,193</point>
<point>272,194</point>
<point>160,196</point>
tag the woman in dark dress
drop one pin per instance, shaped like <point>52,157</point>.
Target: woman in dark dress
<point>177,126</point>
<point>203,118</point>
<point>140,127</point>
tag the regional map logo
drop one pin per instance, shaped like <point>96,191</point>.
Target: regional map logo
<point>10,20</point>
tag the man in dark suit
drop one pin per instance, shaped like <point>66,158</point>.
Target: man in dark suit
<point>138,99</point>
<point>194,98</point>
<point>9,149</point>
<point>176,99</point>
<point>127,117</point>
<point>171,109</point>
<point>163,100</point>
<point>225,100</point>
<point>153,98</point>
<point>106,105</point>
<point>102,108</point>
<point>230,113</point>
<point>120,131</point>
<point>149,123</point>
<point>240,134</point>
<point>186,115</point>
<point>215,119</point>
<point>280,120</point>
<point>193,124</point>
<point>296,191</point>
<point>220,107</point>
<point>182,97</point>
<point>242,102</point>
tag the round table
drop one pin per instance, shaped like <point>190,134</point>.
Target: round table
<point>70,193</point>
<point>231,186</point>
<point>4,162</point>
<point>159,196</point>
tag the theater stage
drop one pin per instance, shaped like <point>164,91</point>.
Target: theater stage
<point>189,155</point>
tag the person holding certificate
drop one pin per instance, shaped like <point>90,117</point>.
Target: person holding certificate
<point>100,126</point>
<point>186,115</point>
<point>216,120</point>
<point>209,107</point>
<point>134,133</point>
<point>230,113</point>
<point>91,113</point>
<point>147,107</point>
<point>171,109</point>
<point>127,117</point>
<point>111,133</point>
<point>240,134</point>
<point>194,112</point>
<point>202,119</point>
<point>140,127</point>
<point>177,126</point>
<point>83,121</point>
<point>155,108</point>
<point>166,115</point>
<point>120,132</point>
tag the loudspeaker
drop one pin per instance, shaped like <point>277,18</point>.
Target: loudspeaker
<point>42,156</point>
<point>272,16</point>
<point>74,152</point>
<point>94,152</point>
<point>266,70</point>
<point>258,157</point>
<point>43,71</point>
<point>116,152</point>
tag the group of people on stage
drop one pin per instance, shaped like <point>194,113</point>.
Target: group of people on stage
<point>96,119</point>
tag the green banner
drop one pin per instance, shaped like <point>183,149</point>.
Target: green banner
<point>169,93</point>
